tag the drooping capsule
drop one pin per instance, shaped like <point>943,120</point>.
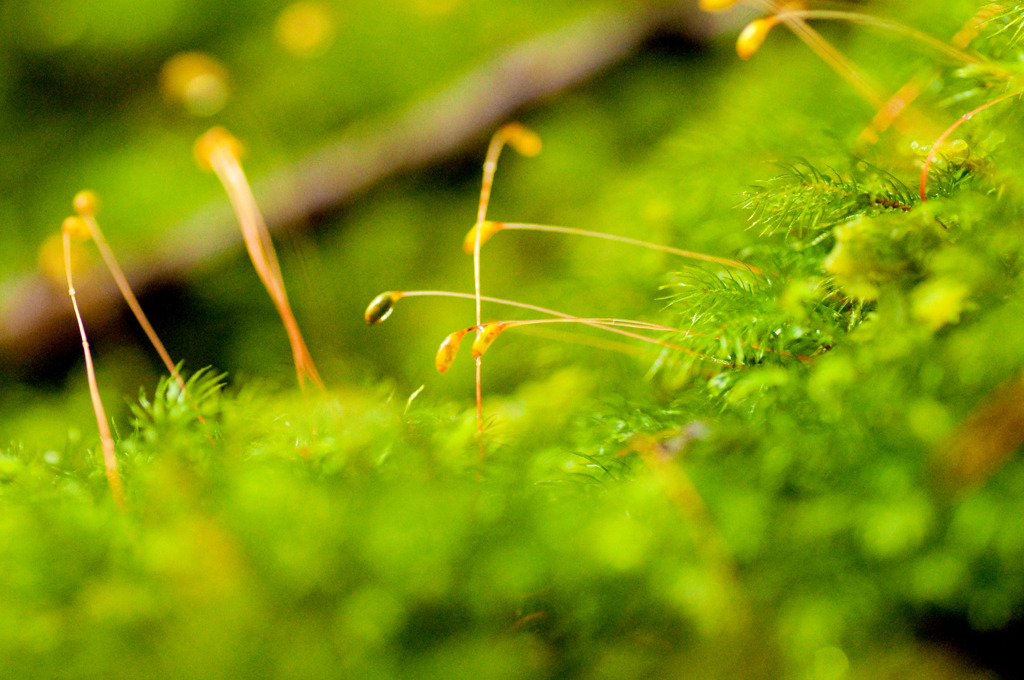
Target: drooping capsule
<point>716,5</point>
<point>488,335</point>
<point>522,139</point>
<point>753,36</point>
<point>486,228</point>
<point>380,307</point>
<point>448,349</point>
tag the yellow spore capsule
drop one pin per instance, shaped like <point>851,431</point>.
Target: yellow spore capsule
<point>522,139</point>
<point>486,228</point>
<point>487,336</point>
<point>716,5</point>
<point>753,36</point>
<point>305,28</point>
<point>381,307</point>
<point>76,227</point>
<point>448,349</point>
<point>86,203</point>
<point>197,81</point>
<point>213,141</point>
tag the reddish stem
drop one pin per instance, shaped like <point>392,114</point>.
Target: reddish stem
<point>942,138</point>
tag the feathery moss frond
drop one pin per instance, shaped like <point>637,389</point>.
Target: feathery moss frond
<point>172,407</point>
<point>804,201</point>
<point>177,422</point>
<point>744,321</point>
<point>1004,30</point>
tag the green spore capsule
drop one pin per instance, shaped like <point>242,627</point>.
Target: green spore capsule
<point>380,307</point>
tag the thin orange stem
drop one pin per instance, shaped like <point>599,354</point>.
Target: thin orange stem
<point>933,152</point>
<point>106,440</point>
<point>129,297</point>
<point>490,166</point>
<point>906,95</point>
<point>886,24</point>
<point>890,112</point>
<point>614,325</point>
<point>826,52</point>
<point>693,255</point>
<point>264,258</point>
<point>85,203</point>
<point>611,325</point>
<point>603,324</point>
<point>479,417</point>
<point>600,321</point>
<point>523,305</point>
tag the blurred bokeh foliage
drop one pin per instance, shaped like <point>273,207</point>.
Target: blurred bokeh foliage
<point>638,514</point>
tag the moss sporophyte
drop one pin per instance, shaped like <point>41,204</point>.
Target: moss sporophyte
<point>527,142</point>
<point>75,227</point>
<point>218,151</point>
<point>84,226</point>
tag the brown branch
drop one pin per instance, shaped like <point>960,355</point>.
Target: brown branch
<point>36,317</point>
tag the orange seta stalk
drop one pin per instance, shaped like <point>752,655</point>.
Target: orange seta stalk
<point>76,227</point>
<point>526,142</point>
<point>938,145</point>
<point>949,50</point>
<point>485,230</point>
<point>487,333</point>
<point>892,111</point>
<point>905,96</point>
<point>381,307</point>
<point>85,204</point>
<point>784,11</point>
<point>219,151</point>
